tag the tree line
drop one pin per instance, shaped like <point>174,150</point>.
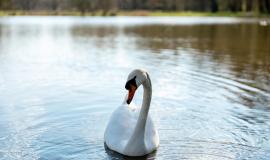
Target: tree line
<point>257,6</point>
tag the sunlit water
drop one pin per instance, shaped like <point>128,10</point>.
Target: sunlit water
<point>61,78</point>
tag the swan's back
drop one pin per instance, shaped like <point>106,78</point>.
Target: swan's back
<point>121,127</point>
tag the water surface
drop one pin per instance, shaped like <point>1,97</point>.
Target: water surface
<point>62,77</point>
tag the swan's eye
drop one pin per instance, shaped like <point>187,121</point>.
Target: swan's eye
<point>131,86</point>
<point>131,82</point>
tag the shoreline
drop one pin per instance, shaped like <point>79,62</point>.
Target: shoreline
<point>133,13</point>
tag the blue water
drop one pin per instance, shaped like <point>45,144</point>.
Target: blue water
<point>62,77</point>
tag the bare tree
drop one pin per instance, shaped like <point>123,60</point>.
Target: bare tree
<point>5,4</point>
<point>54,4</point>
<point>256,6</point>
<point>81,5</point>
<point>24,4</point>
<point>110,6</point>
<point>244,6</point>
<point>214,6</point>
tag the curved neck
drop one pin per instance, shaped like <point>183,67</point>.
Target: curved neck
<point>137,138</point>
<point>147,95</point>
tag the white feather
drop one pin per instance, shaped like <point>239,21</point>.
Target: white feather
<point>121,127</point>
<point>131,130</point>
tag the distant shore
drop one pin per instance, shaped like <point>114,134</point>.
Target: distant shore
<point>131,13</point>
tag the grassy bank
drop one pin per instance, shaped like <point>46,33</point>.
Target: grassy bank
<point>130,13</point>
<point>180,14</point>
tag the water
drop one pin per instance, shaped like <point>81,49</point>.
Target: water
<point>62,77</point>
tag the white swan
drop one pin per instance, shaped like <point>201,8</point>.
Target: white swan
<point>131,130</point>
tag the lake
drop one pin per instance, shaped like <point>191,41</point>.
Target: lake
<point>62,77</point>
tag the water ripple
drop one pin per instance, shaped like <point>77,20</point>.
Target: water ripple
<point>210,91</point>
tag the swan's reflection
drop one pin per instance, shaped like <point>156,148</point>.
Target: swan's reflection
<point>112,155</point>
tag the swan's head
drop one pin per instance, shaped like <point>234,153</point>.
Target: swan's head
<point>135,79</point>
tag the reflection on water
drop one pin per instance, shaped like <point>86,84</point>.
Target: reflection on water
<point>112,155</point>
<point>61,78</point>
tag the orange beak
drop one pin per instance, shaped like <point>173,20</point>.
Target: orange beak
<point>131,93</point>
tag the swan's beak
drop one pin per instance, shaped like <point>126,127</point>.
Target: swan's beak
<point>131,93</point>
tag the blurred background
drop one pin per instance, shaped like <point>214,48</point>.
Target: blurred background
<point>61,77</point>
<point>114,7</point>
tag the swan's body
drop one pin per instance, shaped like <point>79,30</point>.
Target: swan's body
<point>121,127</point>
<point>131,130</point>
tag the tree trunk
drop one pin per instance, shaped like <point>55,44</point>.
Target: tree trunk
<point>244,5</point>
<point>214,6</point>
<point>256,6</point>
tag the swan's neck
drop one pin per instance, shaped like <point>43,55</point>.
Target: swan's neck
<point>147,94</point>
<point>137,139</point>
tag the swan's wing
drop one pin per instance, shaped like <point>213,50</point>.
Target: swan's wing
<point>151,137</point>
<point>120,127</point>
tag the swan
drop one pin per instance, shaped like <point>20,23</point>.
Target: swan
<point>131,131</point>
